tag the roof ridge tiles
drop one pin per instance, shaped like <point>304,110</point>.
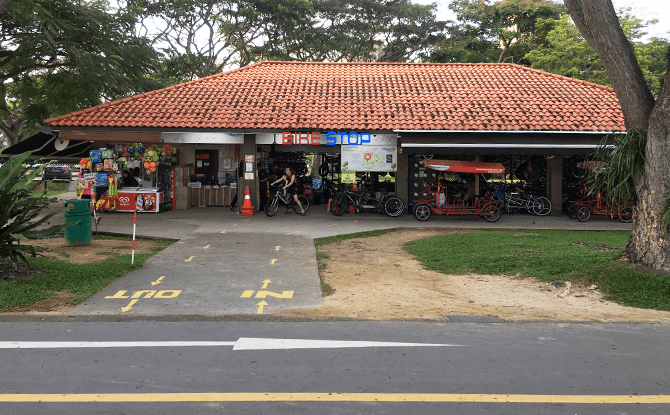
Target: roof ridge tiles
<point>553,75</point>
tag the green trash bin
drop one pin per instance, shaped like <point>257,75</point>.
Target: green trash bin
<point>80,214</point>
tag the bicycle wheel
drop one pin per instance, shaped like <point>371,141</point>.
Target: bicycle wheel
<point>545,207</point>
<point>394,206</point>
<point>583,214</point>
<point>626,213</point>
<point>572,211</point>
<point>422,212</point>
<point>272,206</point>
<point>304,201</point>
<point>339,205</point>
<point>495,213</point>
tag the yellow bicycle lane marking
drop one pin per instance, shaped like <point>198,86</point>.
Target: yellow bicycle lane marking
<point>334,397</point>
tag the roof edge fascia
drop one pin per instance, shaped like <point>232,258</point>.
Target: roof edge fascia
<point>512,132</point>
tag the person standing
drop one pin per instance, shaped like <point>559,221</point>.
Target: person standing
<point>263,177</point>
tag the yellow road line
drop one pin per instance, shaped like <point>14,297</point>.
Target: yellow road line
<point>336,397</point>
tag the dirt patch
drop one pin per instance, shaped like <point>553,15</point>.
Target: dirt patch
<point>374,278</point>
<point>98,251</point>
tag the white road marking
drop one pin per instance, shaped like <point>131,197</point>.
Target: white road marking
<point>243,343</point>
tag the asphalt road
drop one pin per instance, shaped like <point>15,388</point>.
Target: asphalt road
<point>241,367</point>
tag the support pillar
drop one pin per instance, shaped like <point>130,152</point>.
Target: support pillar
<point>555,184</point>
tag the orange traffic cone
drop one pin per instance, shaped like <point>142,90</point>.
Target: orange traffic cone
<point>247,209</point>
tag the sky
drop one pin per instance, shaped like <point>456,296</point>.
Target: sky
<point>643,9</point>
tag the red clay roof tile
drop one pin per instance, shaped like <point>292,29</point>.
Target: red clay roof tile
<point>367,96</point>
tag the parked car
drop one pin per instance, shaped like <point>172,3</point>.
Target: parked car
<point>57,172</point>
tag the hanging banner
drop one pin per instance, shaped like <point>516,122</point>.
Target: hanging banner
<point>369,158</point>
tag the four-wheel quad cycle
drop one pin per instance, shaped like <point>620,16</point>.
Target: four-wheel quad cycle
<point>586,205</point>
<point>436,202</point>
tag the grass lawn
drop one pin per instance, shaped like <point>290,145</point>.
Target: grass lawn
<point>548,255</point>
<point>83,280</point>
<point>53,188</point>
<point>338,238</point>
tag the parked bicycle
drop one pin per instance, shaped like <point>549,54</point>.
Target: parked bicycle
<point>391,205</point>
<point>507,200</point>
<point>272,205</point>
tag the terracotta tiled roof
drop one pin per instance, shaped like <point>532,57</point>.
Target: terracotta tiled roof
<point>367,96</point>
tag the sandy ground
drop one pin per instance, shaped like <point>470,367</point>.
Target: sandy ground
<point>374,278</point>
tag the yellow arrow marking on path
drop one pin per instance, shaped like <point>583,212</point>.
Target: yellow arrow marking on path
<point>265,284</point>
<point>119,294</point>
<point>223,232</point>
<point>129,306</point>
<point>272,262</point>
<point>247,293</point>
<point>260,306</point>
<point>292,233</point>
<point>234,224</point>
<point>206,247</point>
<point>284,294</point>
<point>189,260</point>
<point>246,220</point>
<point>158,281</point>
<point>277,248</point>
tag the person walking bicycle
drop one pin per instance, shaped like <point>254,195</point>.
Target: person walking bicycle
<point>290,187</point>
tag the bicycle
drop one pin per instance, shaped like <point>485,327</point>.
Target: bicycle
<point>272,205</point>
<point>391,205</point>
<point>537,205</point>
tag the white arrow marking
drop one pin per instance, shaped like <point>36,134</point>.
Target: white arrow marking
<point>243,343</point>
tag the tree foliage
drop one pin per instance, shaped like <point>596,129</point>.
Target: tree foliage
<point>566,52</point>
<point>59,56</point>
<point>200,38</point>
<point>502,31</point>
<point>20,210</point>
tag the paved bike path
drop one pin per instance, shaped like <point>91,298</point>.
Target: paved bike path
<point>216,274</point>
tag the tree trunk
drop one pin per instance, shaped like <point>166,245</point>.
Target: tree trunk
<point>598,23</point>
<point>648,244</point>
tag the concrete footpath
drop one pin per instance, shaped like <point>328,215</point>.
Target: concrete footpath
<point>225,264</point>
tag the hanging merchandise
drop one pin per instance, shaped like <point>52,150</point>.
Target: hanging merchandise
<point>96,156</point>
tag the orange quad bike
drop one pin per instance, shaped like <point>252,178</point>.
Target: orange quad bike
<point>436,202</point>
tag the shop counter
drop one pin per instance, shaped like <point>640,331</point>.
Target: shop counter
<point>140,199</point>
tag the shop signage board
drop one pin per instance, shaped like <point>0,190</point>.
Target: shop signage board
<point>201,138</point>
<point>348,177</point>
<point>369,158</point>
<point>333,138</point>
<point>140,201</point>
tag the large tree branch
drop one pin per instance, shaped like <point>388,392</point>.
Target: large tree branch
<point>598,23</point>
